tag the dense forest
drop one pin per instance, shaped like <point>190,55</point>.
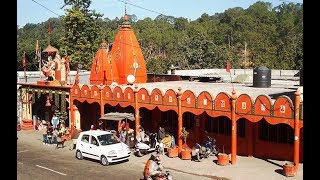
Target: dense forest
<point>260,35</point>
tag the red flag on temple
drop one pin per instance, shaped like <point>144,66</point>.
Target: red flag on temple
<point>49,28</point>
<point>24,60</point>
<point>228,66</point>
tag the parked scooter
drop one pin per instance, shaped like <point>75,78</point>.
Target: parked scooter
<point>208,149</point>
<point>164,176</point>
<point>148,143</point>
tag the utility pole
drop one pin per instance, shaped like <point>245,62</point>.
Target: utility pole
<point>245,54</point>
<point>24,65</point>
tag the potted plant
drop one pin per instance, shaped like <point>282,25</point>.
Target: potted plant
<point>223,158</point>
<point>172,149</point>
<point>184,134</point>
<point>289,169</point>
<point>186,151</point>
<point>173,152</point>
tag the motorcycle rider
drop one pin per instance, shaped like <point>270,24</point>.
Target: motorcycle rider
<point>153,168</point>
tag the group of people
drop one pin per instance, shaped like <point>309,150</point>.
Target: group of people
<point>165,138</point>
<point>125,133</point>
<point>50,134</point>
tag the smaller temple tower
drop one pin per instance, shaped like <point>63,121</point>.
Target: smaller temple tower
<point>103,69</point>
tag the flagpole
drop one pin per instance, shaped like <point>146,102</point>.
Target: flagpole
<point>24,64</point>
<point>231,80</point>
<point>67,64</point>
<point>25,74</point>
<point>39,59</point>
<point>40,62</point>
<point>69,75</point>
<point>228,70</point>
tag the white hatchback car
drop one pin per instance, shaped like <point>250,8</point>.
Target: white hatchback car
<point>103,146</point>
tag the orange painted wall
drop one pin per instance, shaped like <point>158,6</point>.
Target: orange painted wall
<point>168,101</point>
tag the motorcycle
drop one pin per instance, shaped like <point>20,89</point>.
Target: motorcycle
<point>164,176</point>
<point>208,149</point>
<point>146,145</point>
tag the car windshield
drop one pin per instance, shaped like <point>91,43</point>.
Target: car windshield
<point>108,139</point>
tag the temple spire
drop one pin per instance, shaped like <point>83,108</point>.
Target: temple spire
<point>125,7</point>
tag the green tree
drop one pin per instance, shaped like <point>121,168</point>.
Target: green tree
<point>81,39</point>
<point>290,41</point>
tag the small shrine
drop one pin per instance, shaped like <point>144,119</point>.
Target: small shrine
<point>54,68</point>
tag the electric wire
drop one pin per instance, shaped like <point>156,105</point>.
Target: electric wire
<point>141,7</point>
<point>46,8</point>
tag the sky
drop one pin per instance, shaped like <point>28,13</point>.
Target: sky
<point>38,11</point>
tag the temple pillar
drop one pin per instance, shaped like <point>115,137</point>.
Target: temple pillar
<point>101,102</point>
<point>179,94</point>
<point>136,108</point>
<point>296,143</point>
<point>233,129</point>
<point>76,116</point>
<point>26,105</point>
<point>71,114</point>
<point>26,111</point>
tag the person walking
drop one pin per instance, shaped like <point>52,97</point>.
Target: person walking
<point>74,137</point>
<point>55,135</point>
<point>44,134</point>
<point>50,134</point>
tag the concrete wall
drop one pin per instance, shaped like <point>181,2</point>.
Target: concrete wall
<point>275,74</point>
<point>84,76</point>
<point>34,76</point>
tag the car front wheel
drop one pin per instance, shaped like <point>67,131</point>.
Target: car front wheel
<point>104,161</point>
<point>79,155</point>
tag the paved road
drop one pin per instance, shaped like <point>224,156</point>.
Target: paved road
<point>38,161</point>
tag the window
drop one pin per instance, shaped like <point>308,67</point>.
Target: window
<point>218,125</point>
<point>107,139</point>
<point>188,120</point>
<point>85,138</point>
<point>94,141</point>
<point>241,127</point>
<point>169,119</point>
<point>222,125</point>
<point>280,133</point>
